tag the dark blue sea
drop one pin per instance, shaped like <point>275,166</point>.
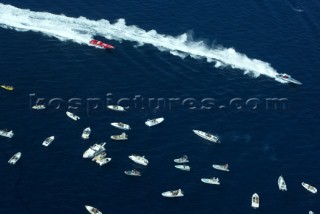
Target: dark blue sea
<point>205,65</point>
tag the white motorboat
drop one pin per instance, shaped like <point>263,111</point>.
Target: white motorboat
<point>120,125</point>
<point>207,136</point>
<point>14,159</point>
<point>285,78</point>
<point>5,133</point>
<point>72,116</point>
<point>116,108</point>
<point>173,193</point>
<point>183,159</point>
<point>211,180</point>
<point>48,141</point>
<point>122,136</point>
<point>86,133</point>
<point>309,187</point>
<point>311,212</point>
<point>183,167</point>
<point>224,167</point>
<point>99,156</point>
<point>38,107</point>
<point>255,201</point>
<point>132,172</point>
<point>94,150</point>
<point>139,159</point>
<point>282,184</point>
<point>92,210</point>
<point>154,122</point>
<point>101,159</point>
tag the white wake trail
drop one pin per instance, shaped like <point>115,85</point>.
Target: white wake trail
<point>82,30</point>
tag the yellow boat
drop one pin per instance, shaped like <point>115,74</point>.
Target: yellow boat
<point>7,87</point>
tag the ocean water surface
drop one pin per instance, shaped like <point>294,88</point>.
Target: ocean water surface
<point>179,53</point>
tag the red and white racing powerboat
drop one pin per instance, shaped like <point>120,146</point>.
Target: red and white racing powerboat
<point>101,44</point>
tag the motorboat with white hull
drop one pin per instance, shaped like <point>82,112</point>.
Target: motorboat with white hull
<point>72,116</point>
<point>255,201</point>
<point>173,193</point>
<point>38,107</point>
<point>139,159</point>
<point>310,188</point>
<point>92,210</point>
<point>101,159</point>
<point>6,133</point>
<point>14,159</point>
<point>122,136</point>
<point>48,141</point>
<point>120,125</point>
<point>183,167</point>
<point>116,108</point>
<point>94,150</point>
<point>282,184</point>
<point>132,172</point>
<point>285,78</point>
<point>86,133</point>
<point>154,122</point>
<point>183,159</point>
<point>207,136</point>
<point>211,180</point>
<point>224,167</point>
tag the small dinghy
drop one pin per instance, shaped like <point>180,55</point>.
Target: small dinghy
<point>14,159</point>
<point>282,184</point>
<point>38,107</point>
<point>255,201</point>
<point>183,167</point>
<point>86,133</point>
<point>183,159</point>
<point>211,180</point>
<point>139,159</point>
<point>92,210</point>
<point>120,125</point>
<point>6,133</point>
<point>207,136</point>
<point>116,108</point>
<point>122,136</point>
<point>72,116</point>
<point>224,167</point>
<point>48,141</point>
<point>154,122</point>
<point>173,193</point>
<point>309,187</point>
<point>132,172</point>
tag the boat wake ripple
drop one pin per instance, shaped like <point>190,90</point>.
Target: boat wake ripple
<point>81,30</point>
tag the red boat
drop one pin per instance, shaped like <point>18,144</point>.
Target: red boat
<point>101,44</point>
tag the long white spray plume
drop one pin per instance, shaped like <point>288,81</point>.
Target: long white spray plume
<point>81,30</point>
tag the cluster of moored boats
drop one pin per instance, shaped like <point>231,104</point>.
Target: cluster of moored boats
<point>255,200</point>
<point>97,153</point>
